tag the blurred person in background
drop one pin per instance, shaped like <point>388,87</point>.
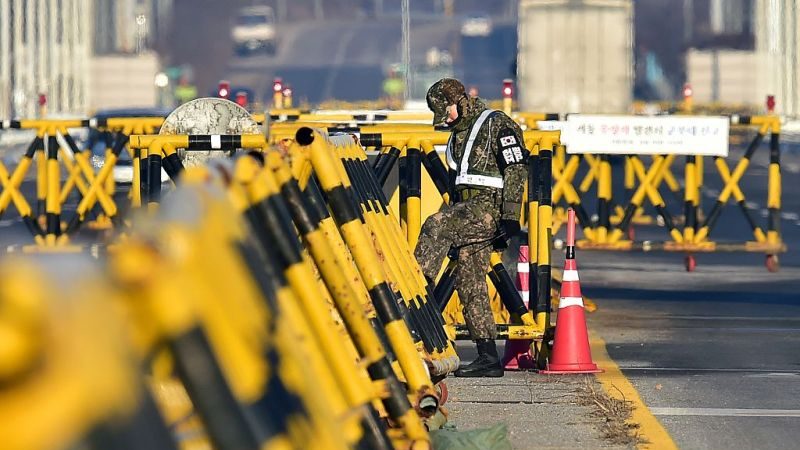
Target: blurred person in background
<point>393,88</point>
<point>185,91</point>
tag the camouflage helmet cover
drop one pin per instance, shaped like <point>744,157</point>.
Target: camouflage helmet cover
<point>443,93</point>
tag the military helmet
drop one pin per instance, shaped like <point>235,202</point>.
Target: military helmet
<point>443,93</point>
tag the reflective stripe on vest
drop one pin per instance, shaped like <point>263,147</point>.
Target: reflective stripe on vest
<point>464,177</point>
<point>451,163</point>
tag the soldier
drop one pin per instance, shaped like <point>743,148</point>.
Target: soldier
<point>488,170</point>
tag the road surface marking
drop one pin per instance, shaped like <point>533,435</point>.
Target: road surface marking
<point>790,216</point>
<point>726,412</point>
<point>774,374</point>
<point>617,385</point>
<point>688,369</point>
<point>744,318</point>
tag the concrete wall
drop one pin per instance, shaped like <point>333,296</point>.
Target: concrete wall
<point>725,76</point>
<point>575,55</point>
<point>123,81</point>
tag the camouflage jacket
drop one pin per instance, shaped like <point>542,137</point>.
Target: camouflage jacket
<point>497,159</point>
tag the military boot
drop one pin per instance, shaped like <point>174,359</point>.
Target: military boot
<point>487,364</point>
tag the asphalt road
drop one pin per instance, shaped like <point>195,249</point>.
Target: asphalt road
<point>715,354</point>
<point>348,60</point>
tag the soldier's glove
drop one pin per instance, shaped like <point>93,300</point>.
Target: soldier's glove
<point>507,229</point>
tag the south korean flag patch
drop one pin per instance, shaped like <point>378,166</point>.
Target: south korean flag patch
<point>510,150</point>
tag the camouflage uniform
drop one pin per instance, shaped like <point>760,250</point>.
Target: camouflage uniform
<point>472,224</point>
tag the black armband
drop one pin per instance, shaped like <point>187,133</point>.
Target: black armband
<point>510,149</point>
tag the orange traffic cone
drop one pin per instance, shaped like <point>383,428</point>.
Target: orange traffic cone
<point>517,355</point>
<point>571,353</point>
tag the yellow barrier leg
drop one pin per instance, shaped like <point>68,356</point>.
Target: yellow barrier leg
<point>543,246</point>
<point>603,200</point>
<point>414,191</point>
<point>690,199</point>
<point>533,235</point>
<point>53,205</point>
<point>774,188</point>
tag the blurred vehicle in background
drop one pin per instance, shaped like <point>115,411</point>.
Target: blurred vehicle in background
<point>99,141</point>
<point>476,25</point>
<point>254,30</point>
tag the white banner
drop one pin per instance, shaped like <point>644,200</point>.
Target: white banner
<point>639,135</point>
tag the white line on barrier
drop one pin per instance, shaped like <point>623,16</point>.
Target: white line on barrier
<point>216,141</point>
<point>725,412</point>
<point>93,123</point>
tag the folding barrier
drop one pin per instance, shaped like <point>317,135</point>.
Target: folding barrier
<point>689,232</point>
<point>69,371</point>
<point>322,308</point>
<point>256,353</point>
<point>54,147</point>
<point>411,151</point>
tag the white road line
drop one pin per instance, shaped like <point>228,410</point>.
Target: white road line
<point>725,412</point>
<point>744,318</point>
<point>791,168</point>
<point>727,370</point>
<point>790,216</point>
<point>784,375</point>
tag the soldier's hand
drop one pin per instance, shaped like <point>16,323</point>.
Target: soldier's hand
<point>509,227</point>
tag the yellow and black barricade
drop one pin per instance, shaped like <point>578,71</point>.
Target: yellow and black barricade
<point>688,226</point>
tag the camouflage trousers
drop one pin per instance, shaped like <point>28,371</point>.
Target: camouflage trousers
<point>470,225</point>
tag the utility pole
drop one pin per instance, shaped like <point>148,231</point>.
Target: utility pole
<point>280,10</point>
<point>449,8</point>
<point>406,23</point>
<point>319,13</point>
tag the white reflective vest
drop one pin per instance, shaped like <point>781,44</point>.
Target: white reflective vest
<point>463,177</point>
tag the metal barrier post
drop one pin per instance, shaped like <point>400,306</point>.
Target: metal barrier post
<point>604,200</point>
<point>545,237</point>
<point>774,186</point>
<point>436,170</point>
<point>53,207</point>
<point>533,227</point>
<point>41,177</point>
<point>691,199</point>
<point>414,191</point>
<point>402,186</point>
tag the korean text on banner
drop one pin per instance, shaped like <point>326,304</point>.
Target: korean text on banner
<point>637,135</point>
